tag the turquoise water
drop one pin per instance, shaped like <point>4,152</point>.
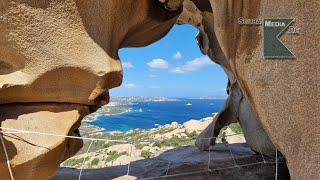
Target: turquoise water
<point>146,115</point>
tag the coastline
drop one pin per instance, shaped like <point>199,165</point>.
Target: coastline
<point>105,111</point>
<point>138,144</point>
<point>125,115</point>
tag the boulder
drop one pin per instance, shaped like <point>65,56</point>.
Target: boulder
<point>125,177</point>
<point>124,160</point>
<point>232,137</point>
<point>196,125</point>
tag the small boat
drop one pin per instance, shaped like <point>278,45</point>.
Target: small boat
<point>189,104</point>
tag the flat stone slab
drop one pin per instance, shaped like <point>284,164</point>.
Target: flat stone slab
<point>224,161</point>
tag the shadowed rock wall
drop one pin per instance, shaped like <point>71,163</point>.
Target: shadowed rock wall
<point>282,94</point>
<point>236,108</point>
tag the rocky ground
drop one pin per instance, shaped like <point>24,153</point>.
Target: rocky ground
<point>141,144</point>
<point>189,162</point>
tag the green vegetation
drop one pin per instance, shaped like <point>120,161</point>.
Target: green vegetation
<point>175,141</point>
<point>75,162</point>
<point>119,136</point>
<point>235,127</point>
<point>139,145</point>
<point>115,110</point>
<point>111,153</point>
<point>114,155</point>
<point>145,154</point>
<point>193,135</point>
<point>95,146</point>
<point>95,161</point>
<point>138,138</point>
<point>162,130</point>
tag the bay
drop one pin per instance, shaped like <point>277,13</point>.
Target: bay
<point>146,115</point>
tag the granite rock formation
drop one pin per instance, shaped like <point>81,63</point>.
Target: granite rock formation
<point>188,163</point>
<point>236,108</point>
<point>37,155</point>
<point>280,96</point>
<point>67,51</point>
<point>57,61</point>
<point>59,58</point>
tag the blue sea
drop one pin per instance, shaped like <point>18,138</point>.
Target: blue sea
<point>146,115</point>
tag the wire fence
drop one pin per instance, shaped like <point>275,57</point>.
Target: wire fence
<point>209,168</point>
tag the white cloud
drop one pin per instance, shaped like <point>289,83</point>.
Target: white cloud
<point>130,85</point>
<point>193,65</point>
<point>158,64</point>
<point>127,65</point>
<point>177,70</point>
<point>177,55</point>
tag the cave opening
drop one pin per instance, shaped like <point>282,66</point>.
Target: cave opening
<point>125,124</point>
<point>170,93</point>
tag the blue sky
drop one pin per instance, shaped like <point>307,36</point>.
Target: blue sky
<point>171,67</point>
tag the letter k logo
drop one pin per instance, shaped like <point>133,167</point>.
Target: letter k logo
<point>273,47</point>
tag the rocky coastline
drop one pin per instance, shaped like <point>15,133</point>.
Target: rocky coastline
<point>141,144</point>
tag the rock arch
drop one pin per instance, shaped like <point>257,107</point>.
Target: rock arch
<point>37,37</point>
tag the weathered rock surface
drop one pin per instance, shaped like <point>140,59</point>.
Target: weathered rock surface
<point>64,52</point>
<point>232,138</point>
<point>282,95</point>
<point>189,163</point>
<point>36,155</point>
<point>196,125</point>
<point>236,108</point>
<point>67,51</point>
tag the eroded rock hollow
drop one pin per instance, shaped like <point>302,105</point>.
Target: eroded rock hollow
<point>59,58</point>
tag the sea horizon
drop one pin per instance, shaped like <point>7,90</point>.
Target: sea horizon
<point>176,97</point>
<point>144,113</point>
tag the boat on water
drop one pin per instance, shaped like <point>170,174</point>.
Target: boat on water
<point>188,104</point>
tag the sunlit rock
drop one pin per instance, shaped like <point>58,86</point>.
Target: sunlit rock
<point>38,150</point>
<point>63,52</point>
<point>282,94</point>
